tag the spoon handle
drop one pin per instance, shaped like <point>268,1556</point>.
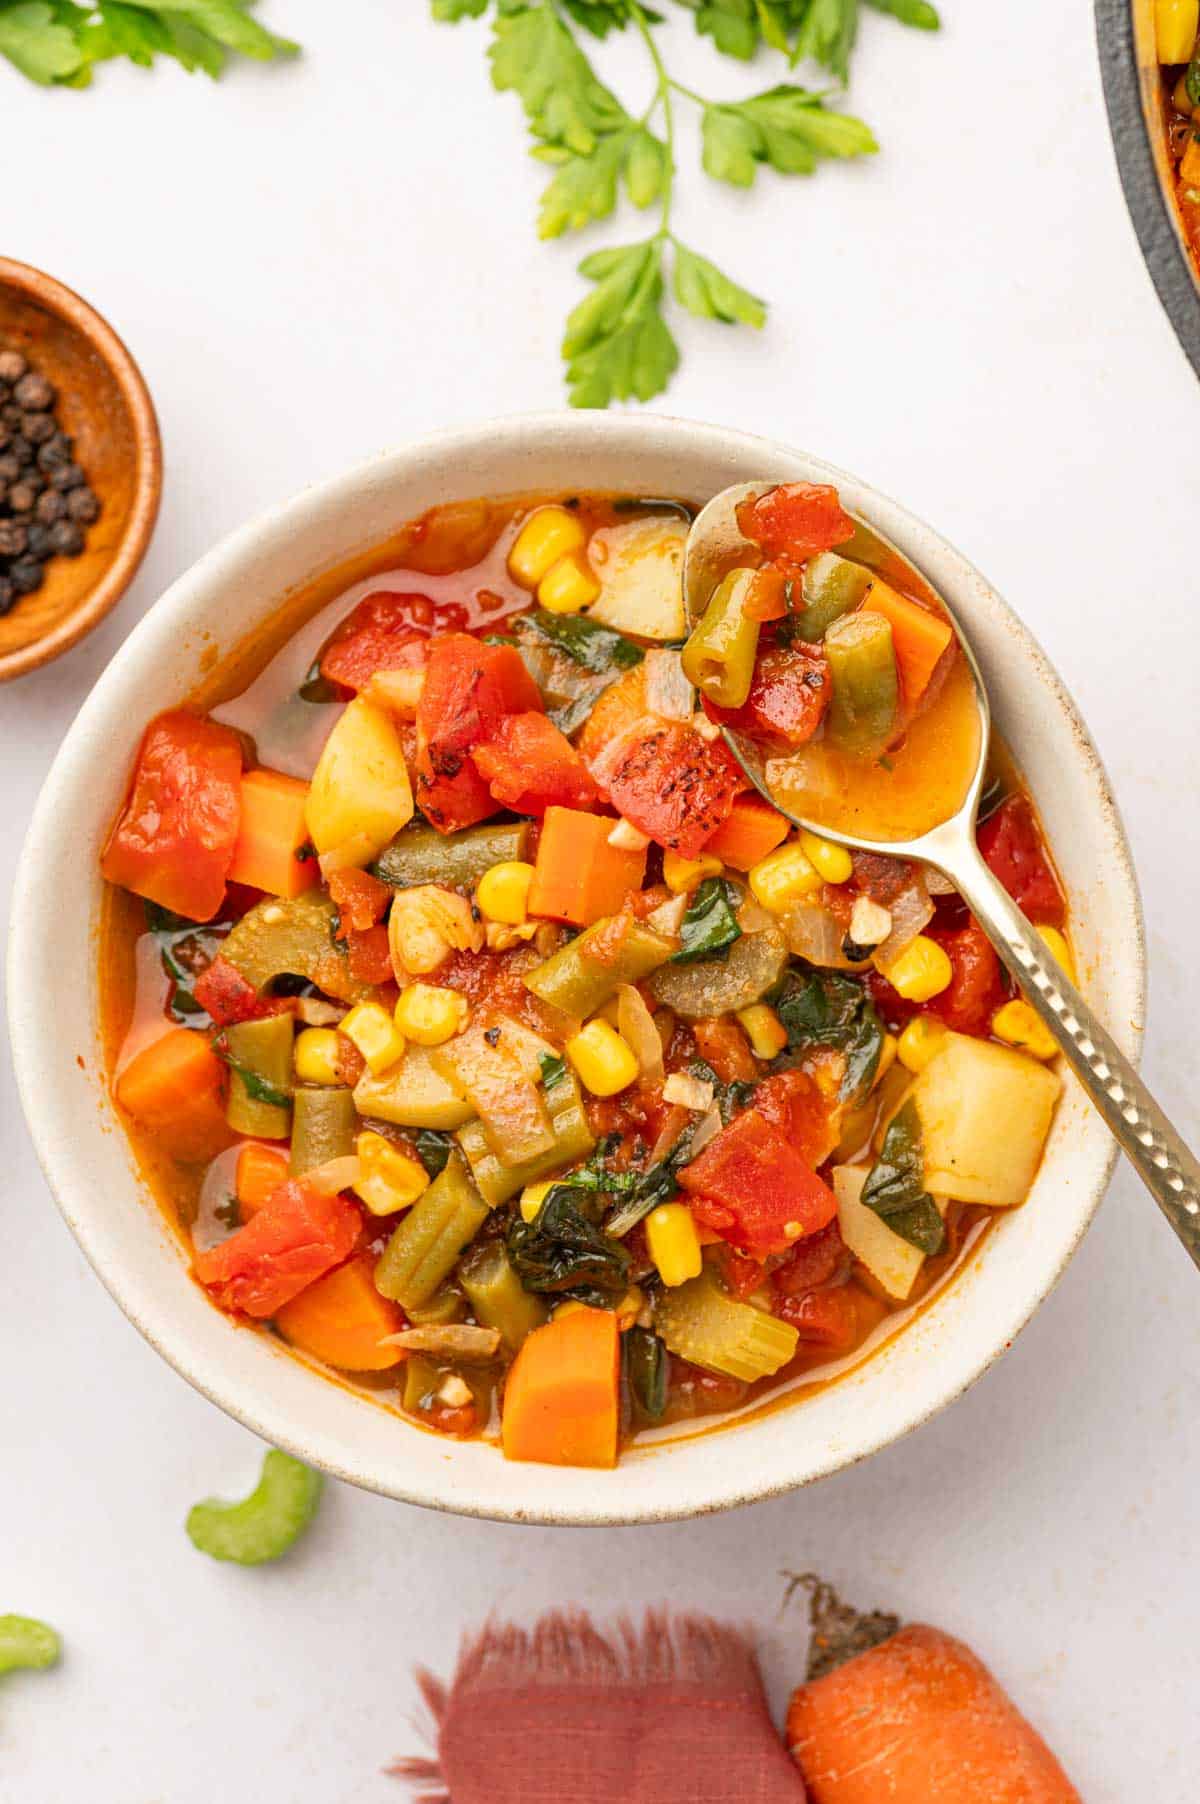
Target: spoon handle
<point>1157,1152</point>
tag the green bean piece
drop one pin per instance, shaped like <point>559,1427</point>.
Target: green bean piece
<point>422,855</point>
<point>425,1247</point>
<point>579,984</point>
<point>830,587</point>
<point>719,656</point>
<point>498,1298</point>
<point>293,938</point>
<point>324,1126</point>
<point>264,1525</point>
<point>866,689</point>
<point>421,1379</point>
<point>259,1055</point>
<point>573,1141</point>
<point>27,1644</point>
<point>447,1304</point>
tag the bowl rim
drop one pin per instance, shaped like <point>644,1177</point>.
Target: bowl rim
<point>34,1041</point>
<point>1151,208</point>
<point>55,297</point>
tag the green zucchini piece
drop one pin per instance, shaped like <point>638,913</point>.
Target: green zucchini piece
<point>498,1298</point>
<point>259,1056</point>
<point>264,1525</point>
<point>420,854</point>
<point>425,1247</point>
<point>447,1304</point>
<point>716,986</point>
<point>324,1126</point>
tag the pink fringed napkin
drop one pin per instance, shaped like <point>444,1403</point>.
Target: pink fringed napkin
<point>561,1714</point>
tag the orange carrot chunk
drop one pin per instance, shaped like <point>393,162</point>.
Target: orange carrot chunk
<point>272,835</point>
<point>342,1320</point>
<point>919,1720</point>
<point>260,1172</point>
<point>753,829</point>
<point>560,1401</point>
<point>578,876</point>
<point>175,1090</point>
<point>919,638</point>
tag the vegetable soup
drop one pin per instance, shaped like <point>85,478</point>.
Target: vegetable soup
<point>1178,33</point>
<point>493,1044</point>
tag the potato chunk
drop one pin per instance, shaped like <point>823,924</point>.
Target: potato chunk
<point>985,1113</point>
<point>889,1259</point>
<point>639,566</point>
<point>360,795</point>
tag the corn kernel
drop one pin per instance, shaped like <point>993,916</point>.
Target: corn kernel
<point>921,1041</point>
<point>833,861</point>
<point>532,1198</point>
<point>887,1056</point>
<point>316,1056</point>
<point>502,893</point>
<point>1018,1024</point>
<point>601,1057</point>
<point>430,1015</point>
<point>782,877</point>
<point>673,1243</point>
<point>683,874</point>
<point>388,1180</point>
<point>547,535</point>
<point>922,971</point>
<point>1175,24</point>
<point>568,585</point>
<point>375,1034</point>
<point>1059,949</point>
<point>764,1030</point>
<point>569,1306</point>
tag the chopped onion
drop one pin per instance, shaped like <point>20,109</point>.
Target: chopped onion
<point>314,1011</point>
<point>668,692</point>
<point>812,933</point>
<point>667,918</point>
<point>334,1175</point>
<point>635,1024</point>
<point>911,912</point>
<point>937,884</point>
<point>693,1093</point>
<point>454,1340</point>
<point>752,917</point>
<point>628,838</point>
<point>707,1128</point>
<point>677,1119</point>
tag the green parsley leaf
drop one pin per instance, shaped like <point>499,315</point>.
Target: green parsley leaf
<point>617,343</point>
<point>40,47</point>
<point>787,127</point>
<point>710,294</point>
<point>910,12</point>
<point>553,1069</point>
<point>449,12</point>
<point>732,25</point>
<point>534,55</point>
<point>827,34</point>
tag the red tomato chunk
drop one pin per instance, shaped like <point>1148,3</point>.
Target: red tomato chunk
<point>296,1237</point>
<point>1012,850</point>
<point>174,840</point>
<point>824,1318</point>
<point>788,697</point>
<point>677,787</point>
<point>798,519</point>
<point>230,997</point>
<point>469,688</point>
<point>529,765</point>
<point>386,631</point>
<point>769,1196</point>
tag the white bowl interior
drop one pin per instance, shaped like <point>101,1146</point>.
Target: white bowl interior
<point>83,1149</point>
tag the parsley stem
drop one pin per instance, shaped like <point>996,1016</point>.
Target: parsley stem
<point>664,96</point>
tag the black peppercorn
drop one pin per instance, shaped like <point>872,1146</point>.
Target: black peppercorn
<point>10,467</point>
<point>26,575</point>
<point>38,427</point>
<point>52,506</point>
<point>66,539</point>
<point>10,414</point>
<point>20,448</point>
<point>5,435</point>
<point>13,538</point>
<point>8,594</point>
<point>67,476</point>
<point>82,505</point>
<point>54,452</point>
<point>12,366</point>
<point>21,497</point>
<point>34,392</point>
<point>39,540</point>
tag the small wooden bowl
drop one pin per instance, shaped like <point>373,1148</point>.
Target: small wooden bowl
<point>104,405</point>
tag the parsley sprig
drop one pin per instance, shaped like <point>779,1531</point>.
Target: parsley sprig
<point>59,42</point>
<point>618,345</point>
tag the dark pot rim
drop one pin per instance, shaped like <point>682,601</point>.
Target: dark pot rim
<point>1151,206</point>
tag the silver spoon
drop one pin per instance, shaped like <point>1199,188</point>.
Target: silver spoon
<point>1158,1153</point>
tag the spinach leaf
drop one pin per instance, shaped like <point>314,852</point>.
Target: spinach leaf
<point>710,925</point>
<point>257,1088</point>
<point>587,642</point>
<point>730,1098</point>
<point>658,1184</point>
<point>433,1149</point>
<point>828,1008</point>
<point>646,1372</point>
<point>185,950</point>
<point>895,1188</point>
<point>553,1070</point>
<point>562,1251</point>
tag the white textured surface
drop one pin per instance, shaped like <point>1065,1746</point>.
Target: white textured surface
<point>967,324</point>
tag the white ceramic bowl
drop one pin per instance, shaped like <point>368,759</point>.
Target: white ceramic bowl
<point>53,1000</point>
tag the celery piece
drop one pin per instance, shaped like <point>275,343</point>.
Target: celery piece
<point>735,979</point>
<point>498,1298</point>
<point>578,984</point>
<point>259,1056</point>
<point>28,1644</point>
<point>700,1322</point>
<point>324,1125</point>
<point>422,855</point>
<point>264,1525</point>
<point>412,1094</point>
<point>425,1247</point>
<point>573,1141</point>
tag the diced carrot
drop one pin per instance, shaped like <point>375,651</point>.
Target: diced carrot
<point>561,1398</point>
<point>342,1320</point>
<point>620,707</point>
<point>175,1089</point>
<point>919,1720</point>
<point>919,638</point>
<point>360,899</point>
<point>578,876</point>
<point>272,835</point>
<point>260,1172</point>
<point>753,829</point>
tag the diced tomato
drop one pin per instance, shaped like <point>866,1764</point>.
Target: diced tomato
<point>677,787</point>
<point>360,899</point>
<point>386,631</point>
<point>722,1044</point>
<point>788,697</point>
<point>1012,850</point>
<point>174,839</point>
<point>529,765</point>
<point>797,518</point>
<point>469,688</point>
<point>824,1318</point>
<point>977,987</point>
<point>293,1239</point>
<point>798,1107</point>
<point>740,1275</point>
<point>812,1262</point>
<point>230,997</point>
<point>773,1197</point>
<point>370,957</point>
